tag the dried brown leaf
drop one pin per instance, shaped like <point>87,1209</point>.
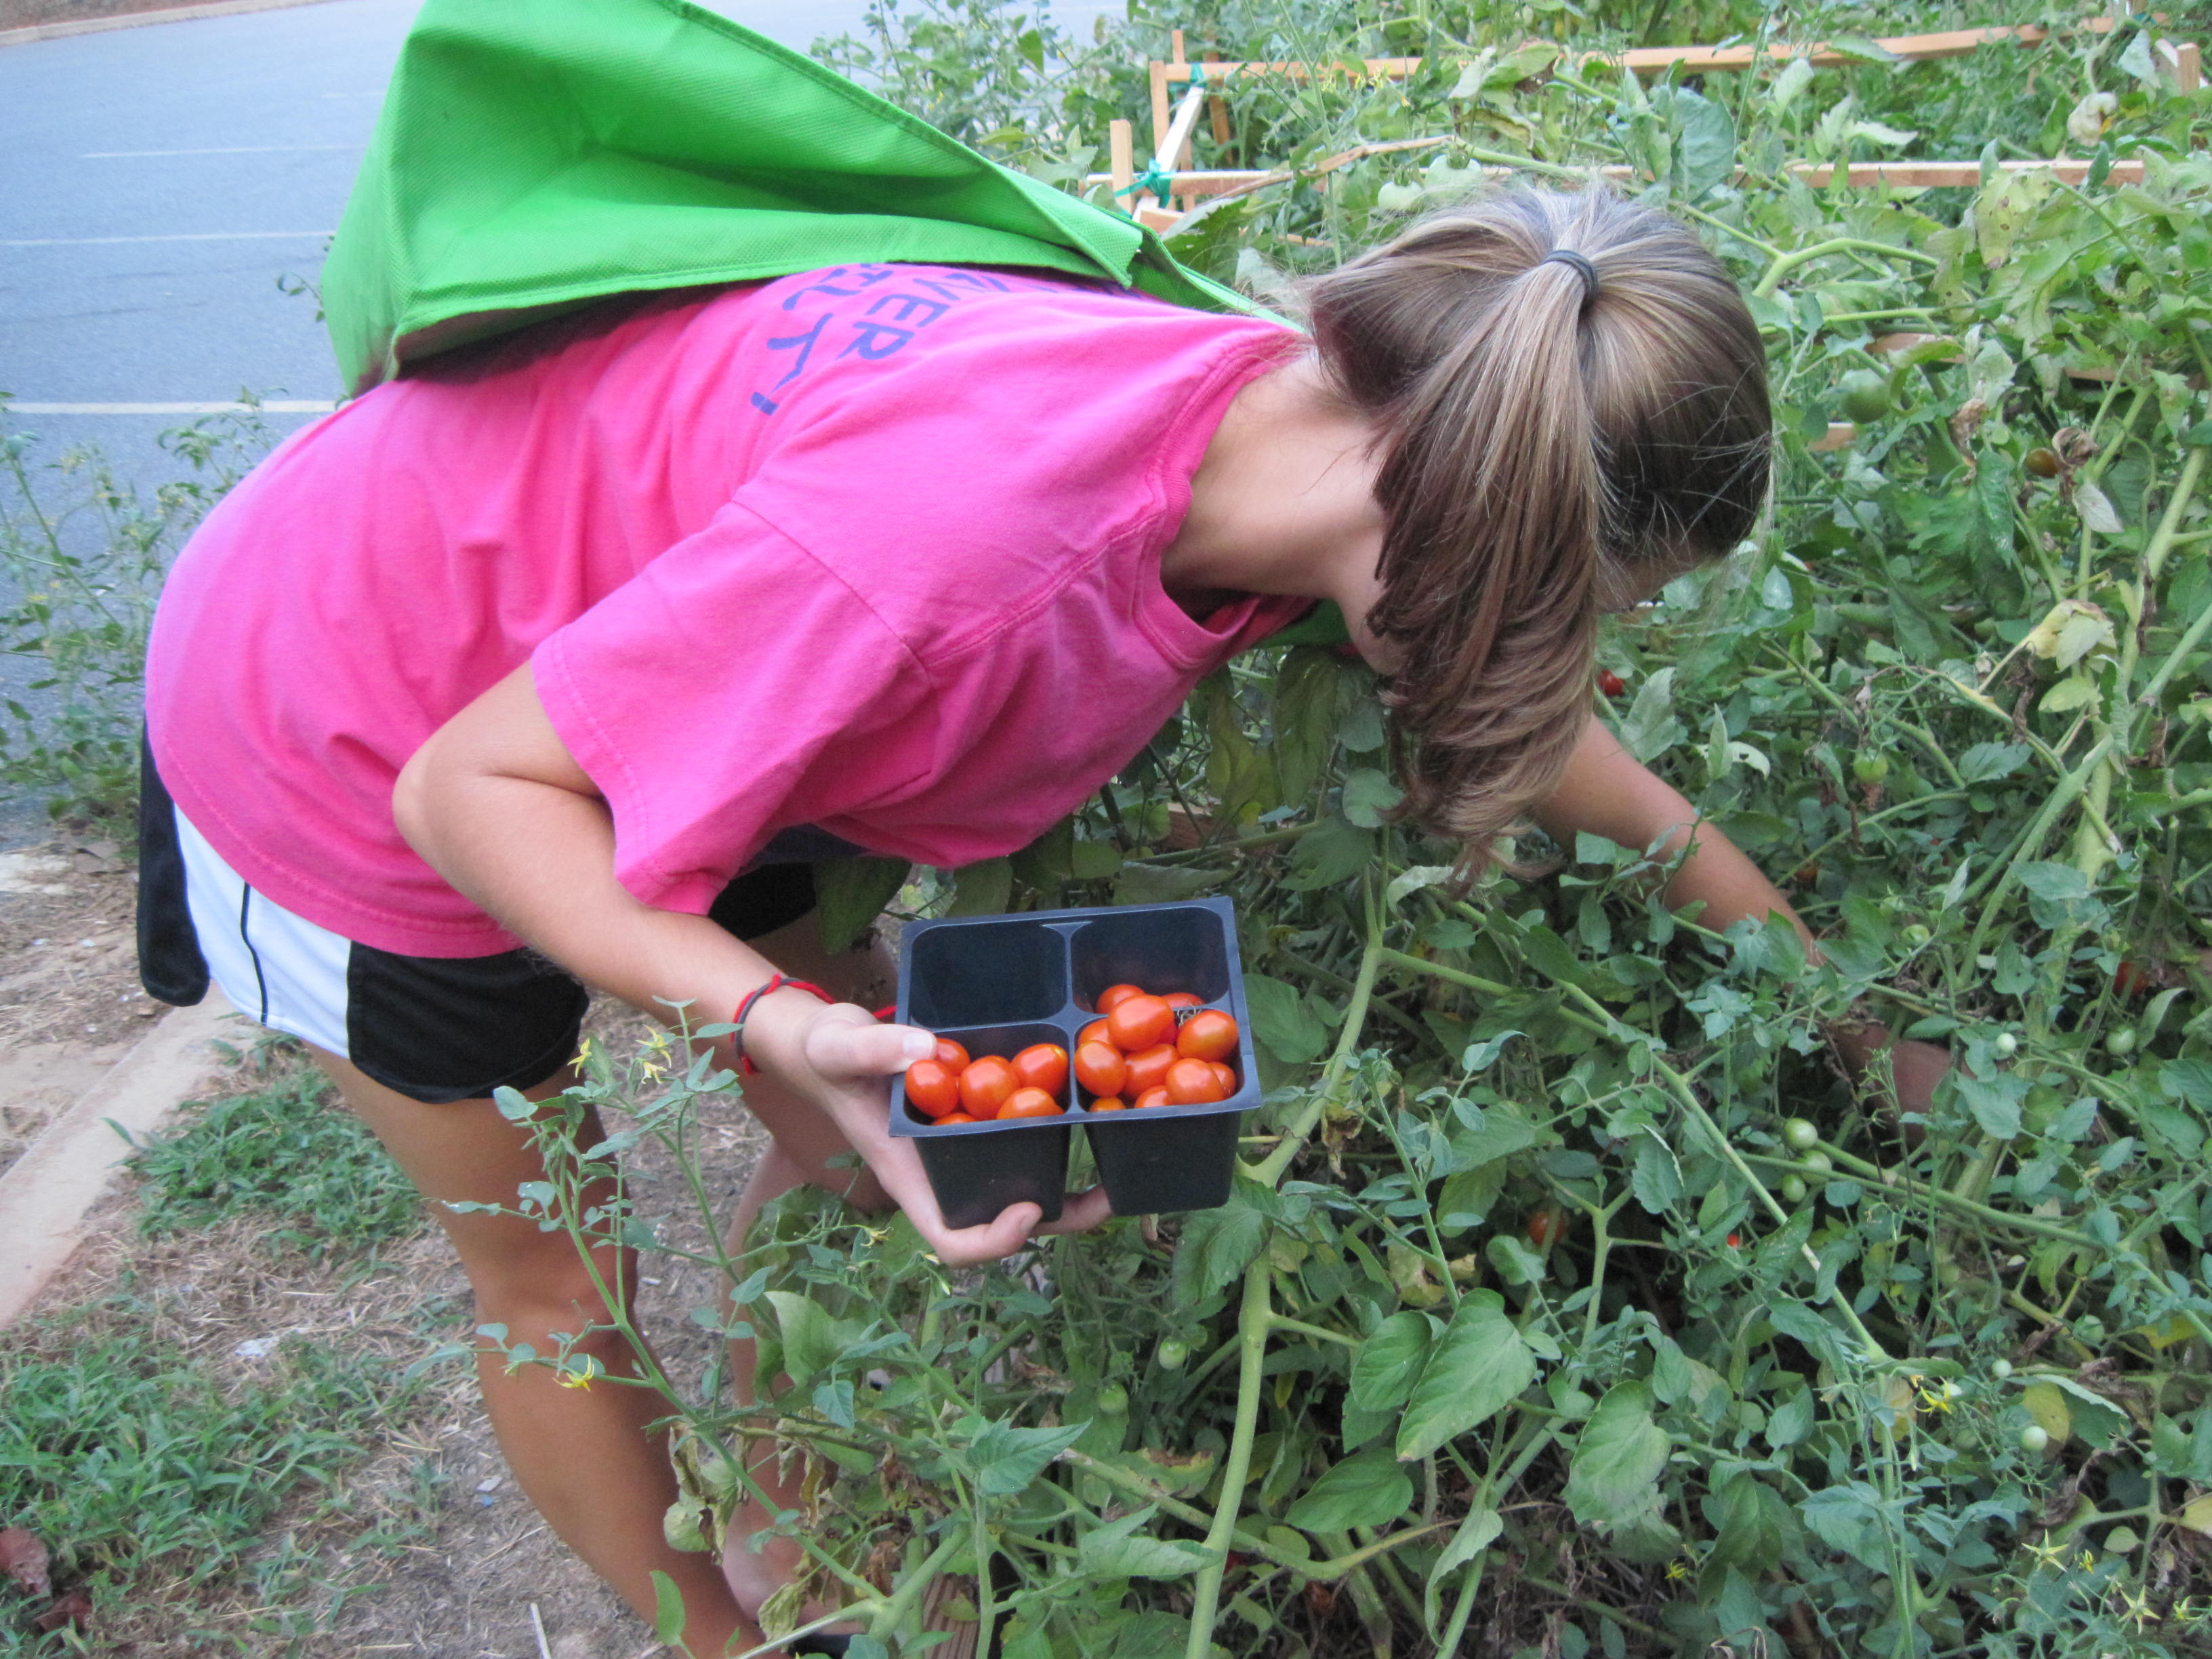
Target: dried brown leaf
<point>74,1610</point>
<point>23,1558</point>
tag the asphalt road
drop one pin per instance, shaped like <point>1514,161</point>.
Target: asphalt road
<point>165,183</point>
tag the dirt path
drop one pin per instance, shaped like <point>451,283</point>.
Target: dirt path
<point>69,1001</point>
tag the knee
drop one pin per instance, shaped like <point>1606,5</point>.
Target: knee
<point>534,1293</point>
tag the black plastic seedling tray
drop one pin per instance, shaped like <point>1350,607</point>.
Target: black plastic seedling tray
<point>996,984</point>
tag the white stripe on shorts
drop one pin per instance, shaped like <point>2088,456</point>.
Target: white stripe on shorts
<point>272,966</point>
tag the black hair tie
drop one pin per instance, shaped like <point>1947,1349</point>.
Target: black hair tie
<point>1582,268</point>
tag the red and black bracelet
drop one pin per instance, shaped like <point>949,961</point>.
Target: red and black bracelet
<point>778,983</point>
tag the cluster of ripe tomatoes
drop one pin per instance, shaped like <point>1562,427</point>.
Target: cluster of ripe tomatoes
<point>1142,1051</point>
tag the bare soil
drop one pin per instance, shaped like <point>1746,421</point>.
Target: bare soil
<point>471,1556</point>
<point>70,1005</point>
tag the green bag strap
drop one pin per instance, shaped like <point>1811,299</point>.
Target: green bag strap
<point>533,155</point>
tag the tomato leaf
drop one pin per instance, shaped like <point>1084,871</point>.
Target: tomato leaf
<point>1283,1020</point>
<point>810,1344</point>
<point>1614,1476</point>
<point>1387,1362</point>
<point>1370,796</point>
<point>1006,1459</point>
<point>1119,1550</point>
<point>667,1608</point>
<point>1218,1245</point>
<point>982,889</point>
<point>1475,1370</point>
<point>1367,1489</point>
<point>851,893</point>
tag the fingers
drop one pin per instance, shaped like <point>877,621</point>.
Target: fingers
<point>1082,1213</point>
<point>846,1042</point>
<point>966,1247</point>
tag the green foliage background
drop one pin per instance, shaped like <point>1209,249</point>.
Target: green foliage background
<point>1530,1327</point>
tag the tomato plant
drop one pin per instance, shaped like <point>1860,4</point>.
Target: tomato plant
<point>1751,1397</point>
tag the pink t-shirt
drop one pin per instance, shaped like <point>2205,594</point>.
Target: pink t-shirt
<point>875,549</point>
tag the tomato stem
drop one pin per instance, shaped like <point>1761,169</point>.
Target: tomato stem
<point>1254,1319</point>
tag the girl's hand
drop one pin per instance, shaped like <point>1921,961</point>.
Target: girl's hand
<point>839,1058</point>
<point>1911,1070</point>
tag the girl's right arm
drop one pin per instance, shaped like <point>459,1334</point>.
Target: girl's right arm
<point>495,804</point>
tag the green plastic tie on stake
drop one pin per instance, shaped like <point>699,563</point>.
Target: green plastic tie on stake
<point>1156,179</point>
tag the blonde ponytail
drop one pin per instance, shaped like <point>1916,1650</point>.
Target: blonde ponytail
<point>1571,400</point>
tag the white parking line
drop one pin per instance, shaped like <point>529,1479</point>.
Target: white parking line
<point>273,406</point>
<point>190,236</point>
<point>227,150</point>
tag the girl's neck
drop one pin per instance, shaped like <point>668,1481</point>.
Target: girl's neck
<point>1284,502</point>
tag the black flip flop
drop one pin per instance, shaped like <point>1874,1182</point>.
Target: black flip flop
<point>821,1643</point>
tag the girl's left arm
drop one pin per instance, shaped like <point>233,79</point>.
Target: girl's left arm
<point>1607,792</point>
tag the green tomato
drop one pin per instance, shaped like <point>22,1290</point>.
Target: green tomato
<point>1801,1134</point>
<point>2001,1369</point>
<point>1869,769</point>
<point>1171,1354</point>
<point>1793,1189</point>
<point>1817,1164</point>
<point>1113,1400</point>
<point>1917,935</point>
<point>2034,1439</point>
<point>1864,395</point>
<point>2007,1045</point>
<point>2121,1041</point>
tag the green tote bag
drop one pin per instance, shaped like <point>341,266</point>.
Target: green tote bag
<point>536,155</point>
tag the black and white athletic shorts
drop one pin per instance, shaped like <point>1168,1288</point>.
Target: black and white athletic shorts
<point>434,1029</point>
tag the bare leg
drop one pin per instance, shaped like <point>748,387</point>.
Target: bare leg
<point>805,1143</point>
<point>582,1455</point>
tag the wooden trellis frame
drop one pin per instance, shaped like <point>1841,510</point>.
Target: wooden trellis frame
<point>2182,64</point>
<point>1173,126</point>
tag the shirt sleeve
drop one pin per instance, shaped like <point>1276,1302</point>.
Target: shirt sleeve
<point>733,687</point>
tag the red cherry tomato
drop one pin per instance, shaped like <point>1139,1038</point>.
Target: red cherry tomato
<point>2130,981</point>
<point>1151,1098</point>
<point>1108,1103</point>
<point>1610,682</point>
<point>1192,1083</point>
<point>1028,1103</point>
<point>985,1085</point>
<point>1114,996</point>
<point>933,1089</point>
<point>1141,1022</point>
<point>1228,1076</point>
<point>1546,1228</point>
<point>952,1055</point>
<point>1184,999</point>
<point>1209,1034</point>
<point>1148,1069</point>
<point>958,1117</point>
<point>1100,1067</point>
<point>1094,1032</point>
<point>1041,1066</point>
